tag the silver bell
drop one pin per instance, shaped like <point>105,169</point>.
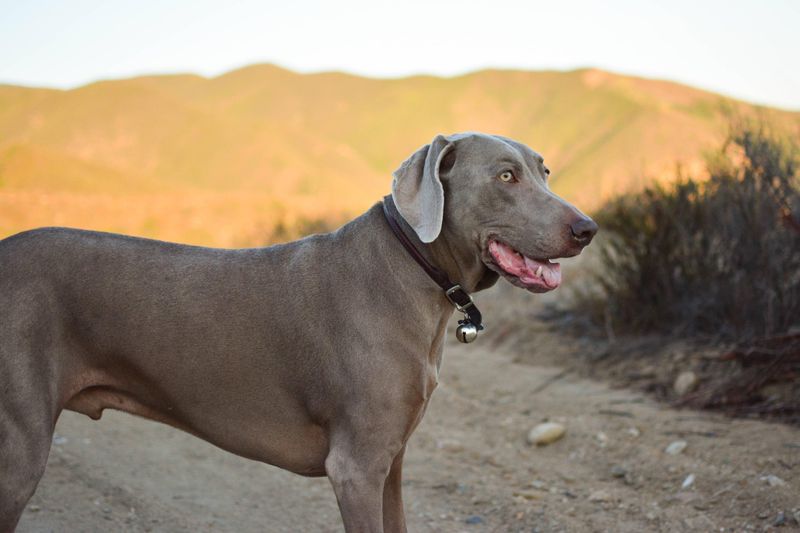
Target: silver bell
<point>466,332</point>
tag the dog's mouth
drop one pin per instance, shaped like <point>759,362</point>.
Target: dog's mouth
<point>535,275</point>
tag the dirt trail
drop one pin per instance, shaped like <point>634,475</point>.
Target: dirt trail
<point>468,468</point>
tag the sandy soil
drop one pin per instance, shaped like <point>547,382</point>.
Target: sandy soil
<point>469,467</point>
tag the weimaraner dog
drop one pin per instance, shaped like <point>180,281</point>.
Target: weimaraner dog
<point>318,356</point>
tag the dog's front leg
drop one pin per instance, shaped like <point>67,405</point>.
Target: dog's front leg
<point>394,518</point>
<point>357,465</point>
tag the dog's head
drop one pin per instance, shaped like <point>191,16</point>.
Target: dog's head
<point>491,195</point>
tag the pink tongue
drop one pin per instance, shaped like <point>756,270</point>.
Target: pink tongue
<point>525,268</point>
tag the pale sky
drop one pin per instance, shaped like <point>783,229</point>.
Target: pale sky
<point>746,49</point>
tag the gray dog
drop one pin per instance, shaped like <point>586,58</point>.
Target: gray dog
<point>318,356</point>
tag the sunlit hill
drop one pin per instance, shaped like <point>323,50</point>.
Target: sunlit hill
<point>223,161</point>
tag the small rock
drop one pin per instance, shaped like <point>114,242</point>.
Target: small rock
<point>528,495</point>
<point>618,471</point>
<point>633,431</point>
<point>763,515</point>
<point>58,440</point>
<point>676,447</point>
<point>600,496</point>
<point>773,481</point>
<point>474,519</point>
<point>567,477</point>
<point>678,356</point>
<point>450,445</point>
<point>686,497</point>
<point>538,484</point>
<point>546,433</point>
<point>685,382</point>
<point>34,508</point>
<point>791,518</point>
<point>780,520</point>
<point>688,482</point>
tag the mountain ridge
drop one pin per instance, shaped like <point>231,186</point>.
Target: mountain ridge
<point>323,145</point>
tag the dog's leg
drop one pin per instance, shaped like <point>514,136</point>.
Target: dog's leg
<point>26,431</point>
<point>394,519</point>
<point>29,355</point>
<point>357,469</point>
<point>24,446</point>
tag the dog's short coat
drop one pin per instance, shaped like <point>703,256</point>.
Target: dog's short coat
<point>318,356</point>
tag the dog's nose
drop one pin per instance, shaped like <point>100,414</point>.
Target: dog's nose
<point>583,230</point>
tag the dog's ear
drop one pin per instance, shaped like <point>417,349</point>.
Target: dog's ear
<point>417,190</point>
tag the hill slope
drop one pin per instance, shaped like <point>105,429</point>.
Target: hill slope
<point>220,161</point>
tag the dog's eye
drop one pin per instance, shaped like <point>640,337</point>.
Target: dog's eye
<point>506,176</point>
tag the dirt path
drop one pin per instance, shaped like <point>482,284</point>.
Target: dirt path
<point>469,467</point>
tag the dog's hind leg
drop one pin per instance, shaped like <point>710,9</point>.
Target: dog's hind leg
<point>24,447</point>
<point>28,403</point>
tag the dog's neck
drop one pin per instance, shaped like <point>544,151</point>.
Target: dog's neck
<point>461,263</point>
<point>451,255</point>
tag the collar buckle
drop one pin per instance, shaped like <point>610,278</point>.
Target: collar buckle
<point>459,297</point>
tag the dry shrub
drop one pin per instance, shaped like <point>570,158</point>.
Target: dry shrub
<point>718,258</point>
